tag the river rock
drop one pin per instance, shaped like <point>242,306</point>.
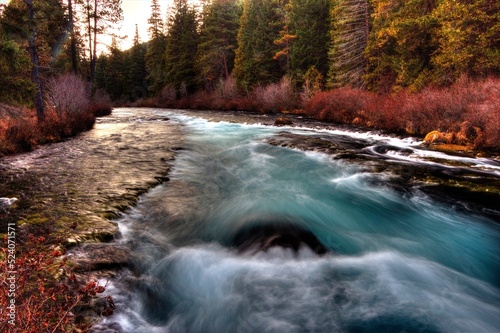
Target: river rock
<point>261,237</point>
<point>438,137</point>
<point>100,256</point>
<point>282,121</point>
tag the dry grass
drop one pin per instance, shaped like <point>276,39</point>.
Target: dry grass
<point>467,113</point>
<point>47,294</point>
<point>276,97</point>
<point>68,112</point>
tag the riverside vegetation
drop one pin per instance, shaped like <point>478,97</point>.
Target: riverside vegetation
<point>423,68</point>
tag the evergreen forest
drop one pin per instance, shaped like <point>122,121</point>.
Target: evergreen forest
<point>263,55</point>
<point>394,105</point>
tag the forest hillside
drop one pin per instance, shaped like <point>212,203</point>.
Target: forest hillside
<point>351,61</point>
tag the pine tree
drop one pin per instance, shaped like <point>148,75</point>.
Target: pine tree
<point>216,50</point>
<point>349,37</point>
<point>156,49</point>
<point>32,47</point>
<point>309,22</point>
<point>285,37</point>
<point>37,27</point>
<point>155,21</point>
<point>400,45</point>
<point>469,39</point>
<point>98,16</point>
<point>182,43</point>
<point>15,64</point>
<point>136,69</point>
<point>115,77</point>
<point>260,25</point>
<point>73,41</point>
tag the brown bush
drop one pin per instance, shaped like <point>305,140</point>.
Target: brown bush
<point>468,112</point>
<point>70,110</point>
<point>227,88</point>
<point>167,96</point>
<point>275,97</point>
<point>67,113</point>
<point>101,104</point>
<point>68,95</point>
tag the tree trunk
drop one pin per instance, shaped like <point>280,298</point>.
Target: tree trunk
<point>35,72</point>
<point>91,53</point>
<point>226,67</point>
<point>74,61</point>
<point>93,57</point>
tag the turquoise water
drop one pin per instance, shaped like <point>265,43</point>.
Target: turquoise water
<point>399,261</point>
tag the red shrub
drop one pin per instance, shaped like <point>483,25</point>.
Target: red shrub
<point>341,105</point>
<point>483,114</point>
<point>44,303</point>
<point>275,97</point>
<point>101,104</point>
<point>468,111</point>
<point>240,104</point>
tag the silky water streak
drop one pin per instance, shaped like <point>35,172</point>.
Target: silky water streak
<point>395,261</point>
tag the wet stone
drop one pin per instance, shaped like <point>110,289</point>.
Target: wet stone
<point>262,237</point>
<point>100,256</point>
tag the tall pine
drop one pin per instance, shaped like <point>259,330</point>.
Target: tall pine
<point>156,48</point>
<point>136,69</point>
<point>216,50</point>
<point>349,37</point>
<point>309,23</point>
<point>98,16</point>
<point>260,25</point>
<point>182,43</point>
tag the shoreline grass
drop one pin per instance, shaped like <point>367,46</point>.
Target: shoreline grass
<point>466,114</point>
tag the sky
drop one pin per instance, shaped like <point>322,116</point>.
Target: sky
<point>138,12</point>
<point>134,12</point>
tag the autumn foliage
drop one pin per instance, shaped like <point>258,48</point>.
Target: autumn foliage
<point>468,112</point>
<point>69,111</point>
<point>48,297</point>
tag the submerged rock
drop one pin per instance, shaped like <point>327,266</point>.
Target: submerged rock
<point>437,137</point>
<point>100,256</point>
<point>6,202</point>
<point>263,236</point>
<point>282,121</point>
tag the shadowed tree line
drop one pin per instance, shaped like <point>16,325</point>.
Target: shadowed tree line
<point>378,45</point>
<point>47,69</point>
<point>381,46</point>
<point>44,39</point>
<point>265,55</point>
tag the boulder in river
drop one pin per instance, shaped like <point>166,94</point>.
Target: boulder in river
<point>263,236</point>
<point>100,256</point>
<point>282,121</point>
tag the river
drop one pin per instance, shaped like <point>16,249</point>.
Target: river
<point>410,236</point>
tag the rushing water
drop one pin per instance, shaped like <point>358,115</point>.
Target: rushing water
<point>398,261</point>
